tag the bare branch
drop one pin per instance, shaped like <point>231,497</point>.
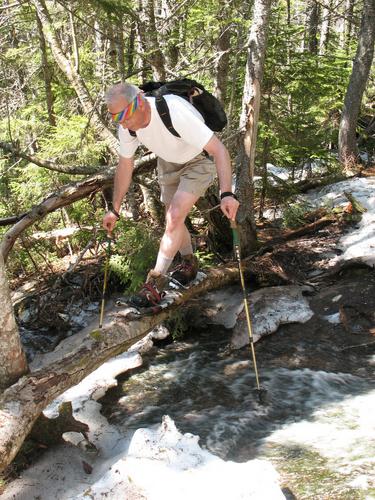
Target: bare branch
<point>66,196</point>
<point>48,164</point>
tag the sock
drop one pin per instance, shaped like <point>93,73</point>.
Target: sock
<point>186,250</point>
<point>162,263</point>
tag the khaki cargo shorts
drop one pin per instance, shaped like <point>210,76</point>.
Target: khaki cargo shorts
<point>193,177</point>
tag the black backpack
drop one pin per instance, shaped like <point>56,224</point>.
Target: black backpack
<point>208,106</point>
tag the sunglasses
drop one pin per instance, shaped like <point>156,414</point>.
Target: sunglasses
<point>128,111</point>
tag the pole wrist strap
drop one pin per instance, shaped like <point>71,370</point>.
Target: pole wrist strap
<point>115,212</point>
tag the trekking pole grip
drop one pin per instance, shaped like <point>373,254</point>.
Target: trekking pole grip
<point>235,233</point>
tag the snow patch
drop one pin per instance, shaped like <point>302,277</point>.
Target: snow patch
<point>348,448</point>
<point>359,243</point>
<point>154,464</point>
<point>334,319</point>
<point>270,308</point>
<point>167,465</point>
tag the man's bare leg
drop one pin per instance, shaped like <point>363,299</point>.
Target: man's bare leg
<point>186,247</point>
<point>176,233</point>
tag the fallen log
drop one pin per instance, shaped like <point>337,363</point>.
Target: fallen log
<point>302,231</point>
<point>22,403</point>
<point>66,196</point>
<point>310,228</point>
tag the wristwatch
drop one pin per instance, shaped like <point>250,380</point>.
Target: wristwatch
<point>228,193</point>
<point>111,209</point>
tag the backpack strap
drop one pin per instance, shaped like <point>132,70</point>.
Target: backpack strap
<point>163,110</point>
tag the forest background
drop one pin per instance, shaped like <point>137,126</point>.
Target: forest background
<point>59,149</point>
<point>297,82</point>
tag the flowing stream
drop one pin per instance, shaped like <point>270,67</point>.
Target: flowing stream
<point>316,425</point>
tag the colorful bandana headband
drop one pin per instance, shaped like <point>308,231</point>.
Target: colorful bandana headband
<point>128,111</point>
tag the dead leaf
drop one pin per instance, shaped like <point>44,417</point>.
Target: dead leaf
<point>87,467</point>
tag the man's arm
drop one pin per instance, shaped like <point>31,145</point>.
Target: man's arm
<point>122,180</point>
<point>121,183</point>
<point>216,148</point>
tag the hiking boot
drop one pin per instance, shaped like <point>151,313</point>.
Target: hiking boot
<point>151,292</point>
<point>187,270</point>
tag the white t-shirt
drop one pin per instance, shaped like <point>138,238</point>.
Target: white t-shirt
<point>186,120</point>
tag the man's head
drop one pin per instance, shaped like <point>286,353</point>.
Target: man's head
<point>127,106</point>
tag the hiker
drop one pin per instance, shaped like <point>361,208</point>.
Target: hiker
<point>184,174</point>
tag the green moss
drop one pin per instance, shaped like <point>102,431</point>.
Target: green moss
<point>96,335</point>
<point>307,474</point>
<point>2,486</point>
<point>177,323</point>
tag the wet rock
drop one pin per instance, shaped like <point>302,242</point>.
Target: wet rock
<point>220,307</point>
<point>269,308</point>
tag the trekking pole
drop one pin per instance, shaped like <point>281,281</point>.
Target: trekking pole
<point>105,280</point>
<point>237,252</point>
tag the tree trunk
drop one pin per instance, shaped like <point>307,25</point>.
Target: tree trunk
<point>222,59</point>
<point>22,403</point>
<point>233,78</point>
<point>169,33</point>
<point>148,36</point>
<point>46,73</point>
<point>120,49</point>
<point>312,26</point>
<point>249,123</point>
<point>349,24</point>
<point>361,68</point>
<point>73,36</point>
<point>219,234</point>
<point>73,77</point>
<point>13,362</point>
<point>151,196</point>
<point>325,29</point>
<point>131,49</point>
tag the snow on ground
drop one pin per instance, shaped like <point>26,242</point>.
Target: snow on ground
<point>161,464</point>
<point>343,433</point>
<point>168,466</point>
<point>274,173</point>
<point>270,308</point>
<point>359,243</point>
<point>157,464</point>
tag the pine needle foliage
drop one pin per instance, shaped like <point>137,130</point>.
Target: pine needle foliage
<point>134,253</point>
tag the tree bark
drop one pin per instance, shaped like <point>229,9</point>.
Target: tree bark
<point>46,73</point>
<point>131,49</point>
<point>222,58</point>
<point>169,33</point>
<point>349,24</point>
<point>325,29</point>
<point>361,69</point>
<point>249,123</point>
<point>22,403</point>
<point>219,234</point>
<point>312,26</point>
<point>233,78</point>
<point>120,46</point>
<point>74,77</point>
<point>73,36</point>
<point>148,36</point>
<point>13,362</point>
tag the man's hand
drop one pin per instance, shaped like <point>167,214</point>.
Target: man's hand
<point>109,222</point>
<point>229,207</point>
